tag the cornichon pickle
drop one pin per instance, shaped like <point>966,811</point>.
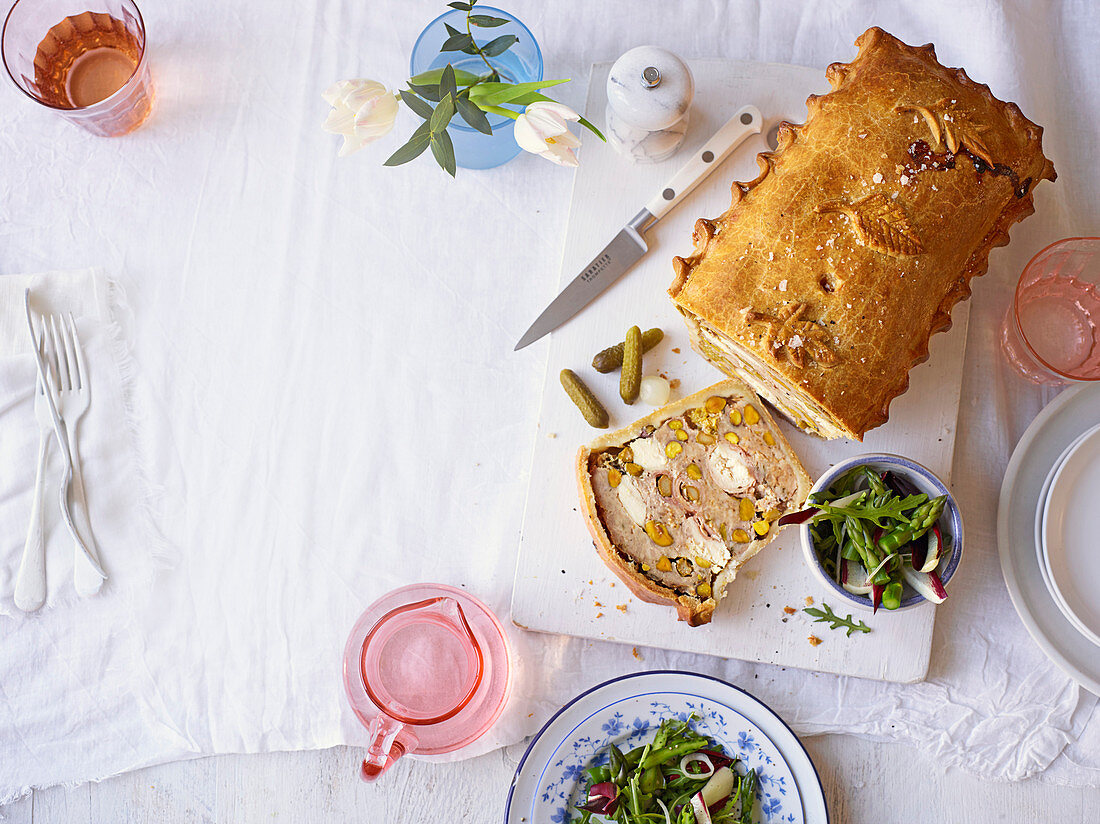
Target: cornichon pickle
<point>630,379</point>
<point>611,358</point>
<point>582,396</point>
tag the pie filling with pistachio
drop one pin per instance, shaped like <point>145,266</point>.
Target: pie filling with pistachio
<point>685,497</point>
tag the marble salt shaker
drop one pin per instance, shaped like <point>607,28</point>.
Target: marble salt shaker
<point>649,93</point>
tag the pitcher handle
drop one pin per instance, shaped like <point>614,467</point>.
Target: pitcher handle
<point>390,739</point>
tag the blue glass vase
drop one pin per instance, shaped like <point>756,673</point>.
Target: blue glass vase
<point>522,63</point>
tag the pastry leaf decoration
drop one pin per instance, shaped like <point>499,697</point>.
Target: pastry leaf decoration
<point>951,127</point>
<point>788,336</point>
<point>880,223</point>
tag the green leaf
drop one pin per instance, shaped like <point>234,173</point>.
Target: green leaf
<point>894,508</point>
<point>412,149</point>
<point>442,115</point>
<point>500,110</point>
<point>495,94</point>
<point>428,92</point>
<point>457,42</point>
<point>499,45</point>
<point>444,152</point>
<point>473,115</point>
<point>416,104</point>
<point>447,85</point>
<point>451,30</point>
<point>460,6</point>
<point>529,98</point>
<point>432,77</point>
<point>835,621</point>
<point>592,129</point>
<point>487,21</point>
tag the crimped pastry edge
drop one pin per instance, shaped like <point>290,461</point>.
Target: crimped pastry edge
<point>977,264</point>
<point>693,610</point>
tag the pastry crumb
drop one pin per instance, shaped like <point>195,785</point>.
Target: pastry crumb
<point>674,384</point>
<point>636,654</point>
<point>597,603</point>
<point>551,435</point>
<point>621,607</point>
<point>676,349</point>
<point>599,615</point>
<point>814,640</point>
<point>809,600</point>
<point>790,610</point>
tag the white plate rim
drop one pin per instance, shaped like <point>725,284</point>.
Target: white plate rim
<point>1039,520</point>
<point>1051,502</point>
<point>1056,426</point>
<point>809,791</point>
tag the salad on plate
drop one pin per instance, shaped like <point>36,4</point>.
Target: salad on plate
<point>680,777</point>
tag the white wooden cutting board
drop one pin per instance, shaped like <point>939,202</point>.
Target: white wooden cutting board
<point>561,585</point>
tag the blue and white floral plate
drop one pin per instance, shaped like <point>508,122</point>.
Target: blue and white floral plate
<point>550,782</point>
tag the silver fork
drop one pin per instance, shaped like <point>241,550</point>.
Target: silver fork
<point>48,378</point>
<point>73,398</point>
<point>30,583</point>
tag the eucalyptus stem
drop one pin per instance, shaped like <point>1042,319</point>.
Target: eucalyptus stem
<point>492,71</point>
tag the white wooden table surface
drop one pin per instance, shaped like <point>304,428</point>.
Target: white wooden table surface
<point>864,782</point>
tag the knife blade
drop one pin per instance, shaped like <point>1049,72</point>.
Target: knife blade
<point>629,246</point>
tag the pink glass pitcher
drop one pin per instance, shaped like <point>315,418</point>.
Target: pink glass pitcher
<point>426,671</point>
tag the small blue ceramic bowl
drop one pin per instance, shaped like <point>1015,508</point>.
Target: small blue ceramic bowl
<point>924,480</point>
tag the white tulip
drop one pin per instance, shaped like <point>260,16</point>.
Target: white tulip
<point>543,129</point>
<point>362,111</point>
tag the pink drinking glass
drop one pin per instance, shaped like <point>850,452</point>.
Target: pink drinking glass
<point>1051,332</point>
<point>85,59</point>
<point>426,671</point>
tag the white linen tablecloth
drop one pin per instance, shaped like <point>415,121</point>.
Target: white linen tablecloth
<point>329,400</point>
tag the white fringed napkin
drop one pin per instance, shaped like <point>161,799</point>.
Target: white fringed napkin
<point>72,671</point>
<point>115,491</point>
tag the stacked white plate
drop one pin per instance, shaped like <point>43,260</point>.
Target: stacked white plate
<point>1048,532</point>
<point>1068,523</point>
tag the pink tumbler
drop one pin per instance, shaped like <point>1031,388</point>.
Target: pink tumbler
<point>1051,333</point>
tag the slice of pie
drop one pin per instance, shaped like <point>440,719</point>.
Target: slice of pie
<point>823,282</point>
<point>678,501</point>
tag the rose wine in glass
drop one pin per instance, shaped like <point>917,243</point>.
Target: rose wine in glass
<point>83,58</point>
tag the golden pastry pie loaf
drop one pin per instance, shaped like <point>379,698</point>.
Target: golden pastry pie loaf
<point>822,284</point>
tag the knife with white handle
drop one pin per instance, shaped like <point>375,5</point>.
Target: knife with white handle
<point>30,582</point>
<point>628,246</point>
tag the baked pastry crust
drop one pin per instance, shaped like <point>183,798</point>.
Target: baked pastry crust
<point>690,606</point>
<point>822,283</point>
